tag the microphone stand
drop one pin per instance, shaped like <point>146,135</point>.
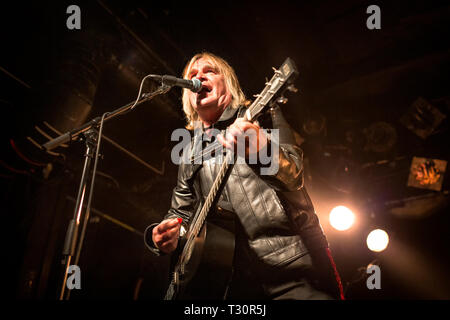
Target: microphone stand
<point>90,134</point>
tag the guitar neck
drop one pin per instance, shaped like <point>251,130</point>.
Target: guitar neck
<point>210,199</point>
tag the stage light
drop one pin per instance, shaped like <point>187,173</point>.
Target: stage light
<point>377,240</point>
<point>341,218</point>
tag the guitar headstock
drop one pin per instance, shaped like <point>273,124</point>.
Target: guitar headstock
<point>282,80</point>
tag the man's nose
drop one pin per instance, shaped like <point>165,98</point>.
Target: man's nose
<point>200,76</point>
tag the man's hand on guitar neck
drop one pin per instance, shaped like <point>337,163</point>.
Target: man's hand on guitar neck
<point>165,235</point>
<point>244,131</point>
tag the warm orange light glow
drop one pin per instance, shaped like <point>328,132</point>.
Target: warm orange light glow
<point>341,218</point>
<point>377,240</point>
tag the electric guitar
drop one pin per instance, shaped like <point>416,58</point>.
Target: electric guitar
<point>188,260</point>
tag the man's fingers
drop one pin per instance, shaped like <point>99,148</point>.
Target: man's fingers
<point>245,125</point>
<point>167,241</point>
<point>231,137</point>
<point>234,132</point>
<point>168,235</point>
<point>167,224</point>
<point>173,232</point>
<point>241,128</point>
<point>165,235</point>
<point>168,246</point>
<point>224,142</point>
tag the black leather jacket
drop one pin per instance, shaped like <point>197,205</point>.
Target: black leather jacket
<point>275,211</point>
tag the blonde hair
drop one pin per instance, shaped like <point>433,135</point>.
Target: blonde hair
<point>231,81</point>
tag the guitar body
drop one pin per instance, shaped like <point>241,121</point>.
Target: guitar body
<point>208,271</point>
<point>213,266</point>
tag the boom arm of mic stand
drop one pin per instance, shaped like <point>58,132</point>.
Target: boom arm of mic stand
<point>73,134</point>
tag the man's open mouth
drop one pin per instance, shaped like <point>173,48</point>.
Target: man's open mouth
<point>205,90</point>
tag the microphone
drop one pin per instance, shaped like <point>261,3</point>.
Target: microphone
<point>194,85</point>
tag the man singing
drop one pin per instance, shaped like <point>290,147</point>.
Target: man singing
<point>280,249</point>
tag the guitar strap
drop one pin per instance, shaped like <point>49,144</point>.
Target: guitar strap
<point>286,135</point>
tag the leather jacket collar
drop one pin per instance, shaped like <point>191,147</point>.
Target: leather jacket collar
<point>228,116</point>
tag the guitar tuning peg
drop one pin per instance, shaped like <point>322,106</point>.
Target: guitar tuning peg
<point>292,88</point>
<point>282,100</point>
<point>278,72</point>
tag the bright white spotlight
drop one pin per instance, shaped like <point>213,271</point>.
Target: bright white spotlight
<point>377,240</point>
<point>341,218</point>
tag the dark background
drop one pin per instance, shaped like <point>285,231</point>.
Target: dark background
<point>355,87</point>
